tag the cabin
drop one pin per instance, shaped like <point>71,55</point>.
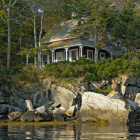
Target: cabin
<point>65,47</point>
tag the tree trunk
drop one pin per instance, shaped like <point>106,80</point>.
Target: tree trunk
<point>21,39</point>
<point>9,39</point>
<point>40,34</point>
<point>35,40</point>
<point>96,55</point>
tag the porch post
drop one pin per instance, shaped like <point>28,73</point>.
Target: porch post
<point>111,55</point>
<point>48,59</point>
<point>81,48</point>
<point>52,55</point>
<point>66,49</point>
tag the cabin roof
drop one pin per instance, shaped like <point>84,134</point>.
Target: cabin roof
<point>63,31</point>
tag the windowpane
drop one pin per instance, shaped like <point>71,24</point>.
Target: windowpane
<point>103,56</point>
<point>59,56</point>
<point>44,58</point>
<point>90,55</point>
<point>73,53</point>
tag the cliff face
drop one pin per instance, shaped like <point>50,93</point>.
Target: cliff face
<point>79,101</point>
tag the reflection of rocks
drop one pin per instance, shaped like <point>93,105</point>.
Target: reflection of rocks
<point>66,132</point>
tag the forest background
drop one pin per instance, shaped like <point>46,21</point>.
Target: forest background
<point>24,22</point>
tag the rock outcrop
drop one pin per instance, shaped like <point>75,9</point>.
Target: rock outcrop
<point>99,107</point>
<point>66,97</point>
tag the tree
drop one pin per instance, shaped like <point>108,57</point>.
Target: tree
<point>94,17</point>
<point>7,5</point>
<point>125,32</point>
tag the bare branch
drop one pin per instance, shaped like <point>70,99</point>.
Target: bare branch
<point>4,4</point>
<point>14,2</point>
<point>28,18</point>
<point>9,3</point>
<point>3,19</point>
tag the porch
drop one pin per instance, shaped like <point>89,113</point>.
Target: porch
<point>72,52</point>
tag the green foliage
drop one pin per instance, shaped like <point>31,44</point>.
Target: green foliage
<point>6,72</point>
<point>67,81</point>
<point>126,28</point>
<point>102,70</point>
<point>30,74</point>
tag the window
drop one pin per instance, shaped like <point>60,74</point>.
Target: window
<point>90,54</point>
<point>73,55</point>
<point>102,56</point>
<point>44,60</point>
<point>59,56</point>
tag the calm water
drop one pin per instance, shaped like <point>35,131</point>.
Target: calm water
<point>70,132</point>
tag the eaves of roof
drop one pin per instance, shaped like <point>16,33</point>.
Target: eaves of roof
<point>75,43</point>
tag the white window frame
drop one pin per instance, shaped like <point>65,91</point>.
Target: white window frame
<point>92,54</point>
<point>70,56</point>
<point>61,56</point>
<point>101,54</point>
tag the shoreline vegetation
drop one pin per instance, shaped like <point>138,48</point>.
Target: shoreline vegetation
<point>79,90</point>
<point>66,72</point>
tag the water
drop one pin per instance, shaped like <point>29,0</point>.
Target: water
<point>70,132</point>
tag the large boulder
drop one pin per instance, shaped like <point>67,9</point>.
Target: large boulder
<point>99,107</point>
<point>15,115</point>
<point>30,116</point>
<point>61,95</point>
<point>29,105</point>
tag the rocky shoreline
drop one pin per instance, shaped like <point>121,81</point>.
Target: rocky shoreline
<point>54,103</point>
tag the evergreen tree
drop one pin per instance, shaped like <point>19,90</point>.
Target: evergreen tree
<point>95,17</point>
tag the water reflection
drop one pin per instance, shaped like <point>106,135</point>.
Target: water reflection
<point>70,132</point>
